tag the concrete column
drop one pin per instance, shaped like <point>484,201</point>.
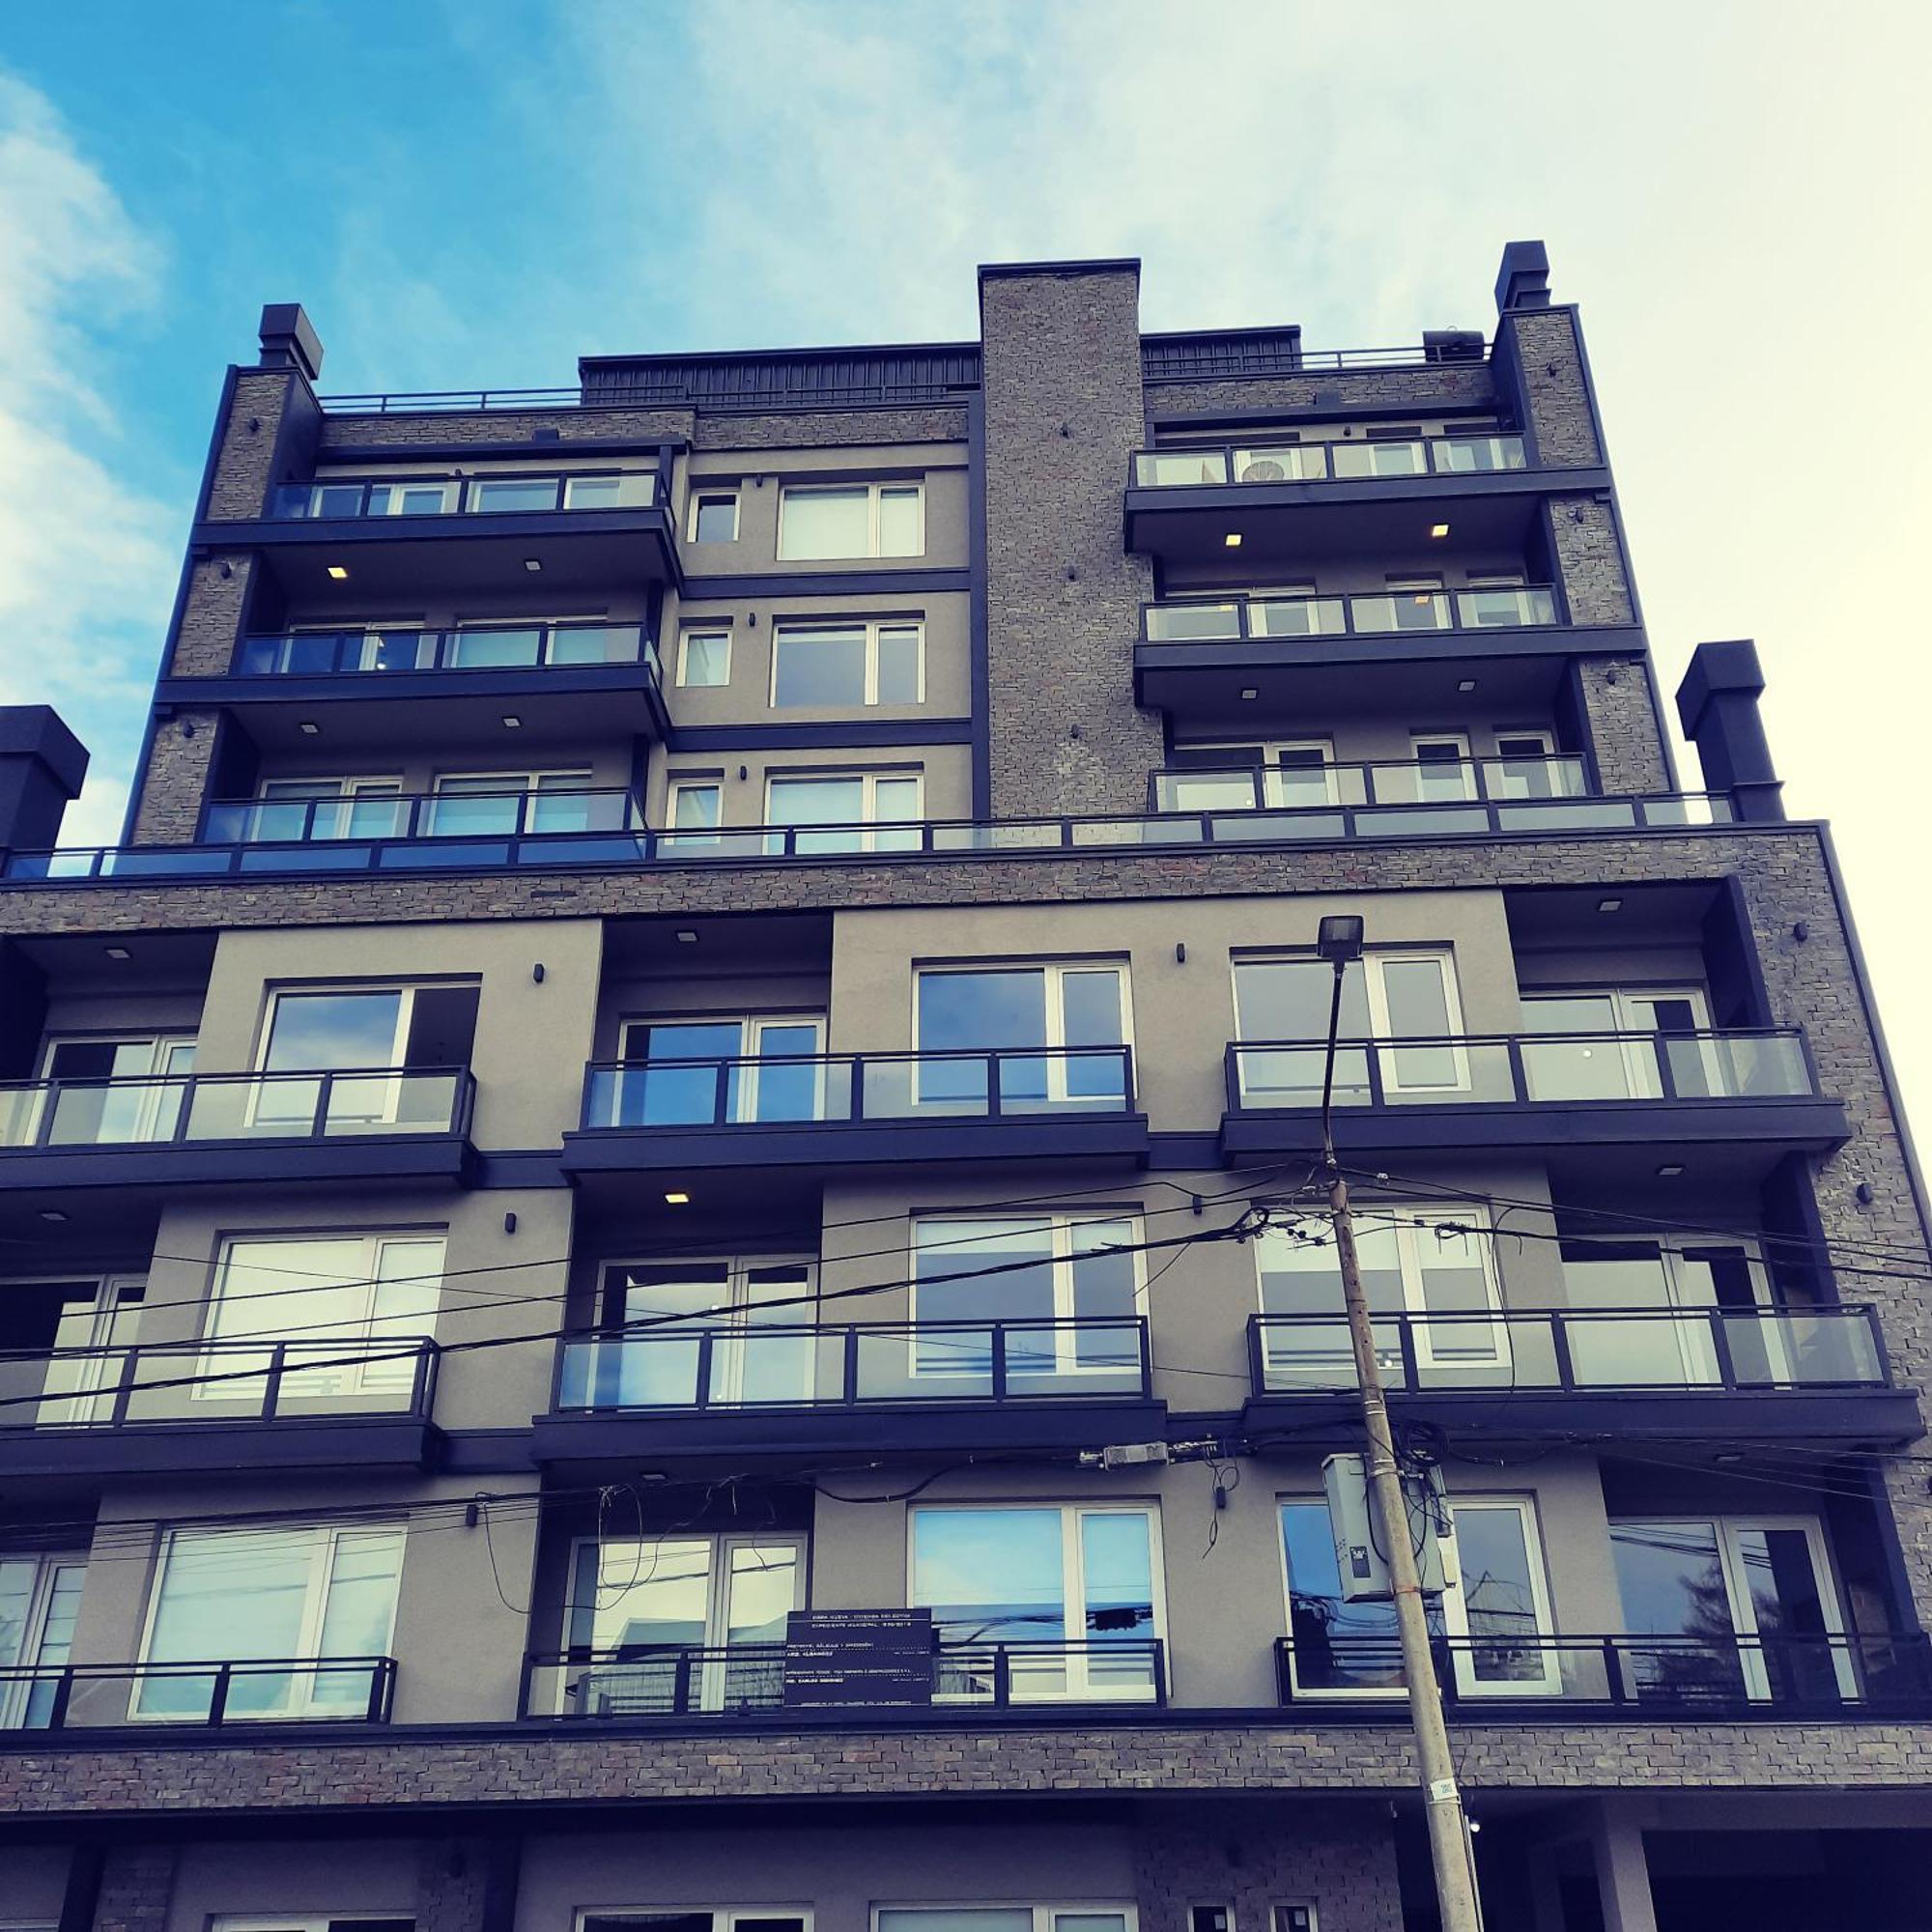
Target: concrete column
<point>42,768</point>
<point>1718,706</point>
<point>1623,1872</point>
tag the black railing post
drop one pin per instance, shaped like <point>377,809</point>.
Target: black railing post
<point>999,1339</point>
<point>218,1697</point>
<point>325,1093</point>
<point>271,1395</point>
<point>700,1395</point>
<point>993,1094</point>
<point>1257,1354</point>
<point>1372,1053</point>
<point>381,1680</point>
<point>680,1684</point>
<point>1666,1071</point>
<point>849,1364</point>
<point>1613,1672</point>
<point>123,1388</point>
<point>1519,1070</point>
<point>57,1707</point>
<point>721,1109</point>
<point>1159,1662</point>
<point>1003,1677</point>
<point>1559,1348</point>
<point>1411,1370</point>
<point>1721,1346</point>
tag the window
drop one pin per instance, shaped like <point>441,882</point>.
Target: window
<point>343,808</point>
<point>694,810</point>
<point>1068,1587</point>
<point>704,659</point>
<point>1414,1262</point>
<point>851,519</point>
<point>1409,604</point>
<point>727,1070</point>
<point>401,1042</point>
<point>1004,1918</point>
<point>1738,1607</point>
<point>1643,1029</point>
<point>1069,1304</point>
<point>498,805</point>
<point>1653,1281</point>
<point>1442,772</point>
<point>129,1089</point>
<point>1498,1613</point>
<point>714,516</point>
<point>1526,766</point>
<point>39,1602</point>
<point>283,1921</point>
<point>259,1596</point>
<point>1395,451</point>
<point>342,1295</point>
<point>849,805</point>
<point>636,1602</point>
<point>1280,774</point>
<point>426,496</point>
<point>848,665</point>
<point>1076,1013</point>
<point>83,1328</point>
<point>1409,997</point>
<point>687,1919</point>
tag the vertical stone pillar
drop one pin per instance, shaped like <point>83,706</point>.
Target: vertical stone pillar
<point>136,1884</point>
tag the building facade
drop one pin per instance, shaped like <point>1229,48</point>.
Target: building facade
<point>664,1217</point>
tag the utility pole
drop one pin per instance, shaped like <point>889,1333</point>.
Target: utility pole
<point>1340,942</point>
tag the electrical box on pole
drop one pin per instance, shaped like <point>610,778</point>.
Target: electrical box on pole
<point>1361,1541</point>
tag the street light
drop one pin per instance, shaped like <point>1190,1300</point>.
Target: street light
<point>1339,941</point>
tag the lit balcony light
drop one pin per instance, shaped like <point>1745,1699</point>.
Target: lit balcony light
<point>533,563</point>
<point>339,572</point>
<point>1438,530</point>
<point>676,1197</point>
<point>1233,539</point>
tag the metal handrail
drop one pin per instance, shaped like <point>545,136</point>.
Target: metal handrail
<point>1313,462</point>
<point>1358,782</point>
<point>340,653</point>
<point>988,1099</point>
<point>1579,1350</point>
<point>831,1366</point>
<point>899,840</point>
<point>723,1681</point>
<point>178,1120</point>
<point>350,497</point>
<point>20,1685</point>
<point>270,1362</point>
<point>1341,613</point>
<point>1737,1674</point>
<point>291,821</point>
<point>1368,1071</point>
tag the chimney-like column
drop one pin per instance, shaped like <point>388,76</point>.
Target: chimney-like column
<point>41,767</point>
<point>1718,706</point>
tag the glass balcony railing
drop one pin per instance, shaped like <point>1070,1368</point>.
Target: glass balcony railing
<point>261,1380</point>
<point>772,1364</point>
<point>1578,1350</point>
<point>644,1681</point>
<point>434,816</point>
<point>369,652</point>
<point>1394,781</point>
<point>183,1109</point>
<point>787,1089</point>
<point>1346,462</point>
<point>1758,1063</point>
<point>339,1690</point>
<point>356,497</point>
<point>1353,613</point>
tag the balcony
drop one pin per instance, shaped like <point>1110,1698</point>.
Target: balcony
<point>1665,1374</point>
<point>561,678</point>
<point>1739,1090</point>
<point>433,832</point>
<point>208,1406</point>
<point>159,1132</point>
<point>1618,1677</point>
<point>776,1389</point>
<point>1482,798</point>
<point>1302,499</point>
<point>957,1682</point>
<point>83,1696</point>
<point>821,1112</point>
<point>1200,654</point>
<point>401,536</point>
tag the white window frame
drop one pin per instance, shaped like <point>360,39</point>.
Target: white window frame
<point>1640,1071</point>
<point>1374,961</point>
<point>1411,1220</point>
<point>751,1030</point>
<point>686,633</point>
<point>392,1089</point>
<point>1275,772</point>
<point>1074,1663</point>
<point>866,827</point>
<point>873,490</point>
<point>49,1567</point>
<point>1552,761</point>
<point>724,1917</point>
<point>1423,771</point>
<point>323,1540</point>
<point>164,1069</point>
<point>1061,1225</point>
<point>1045,1917</point>
<point>349,794</point>
<point>1455,1609</point>
<point>399,488</point>
<point>301,1921</point>
<point>870,627</point>
<point>528,783</point>
<point>113,1323</point>
<point>703,490</point>
<point>681,836</point>
<point>1056,972</point>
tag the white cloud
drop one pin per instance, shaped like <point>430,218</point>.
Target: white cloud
<point>88,562</point>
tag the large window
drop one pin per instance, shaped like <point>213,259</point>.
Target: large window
<point>636,1602</point>
<point>1498,1610</point>
<point>495,805</point>
<point>40,1602</point>
<point>859,812</point>
<point>837,520</point>
<point>256,1596</point>
<point>1070,1587</point>
<point>382,1045</point>
<point>351,1306</point>
<point>849,664</point>
<point>1682,1289</point>
<point>1630,1067</point>
<point>695,1918</point>
<point>1002,1919</point>
<point>1065,1293</point>
<point>110,1090</point>
<point>343,808</point>
<point>81,1327</point>
<point>721,1070</point>
<point>1406,996</point>
<point>1056,1027</point>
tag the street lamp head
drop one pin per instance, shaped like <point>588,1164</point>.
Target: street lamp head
<point>1339,938</point>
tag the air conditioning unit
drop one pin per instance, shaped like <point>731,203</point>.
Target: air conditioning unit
<point>1264,470</point>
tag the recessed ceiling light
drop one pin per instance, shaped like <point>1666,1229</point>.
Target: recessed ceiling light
<point>309,728</point>
<point>54,1216</point>
<point>533,563</point>
<point>1438,530</point>
<point>1233,539</point>
<point>686,937</point>
<point>1670,1170</point>
<point>1249,691</point>
<point>677,1197</point>
<point>1466,684</point>
<point>119,952</point>
<point>511,722</point>
<point>1609,905</point>
<point>340,572</point>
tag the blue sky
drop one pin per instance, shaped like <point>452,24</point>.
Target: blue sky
<point>475,194</point>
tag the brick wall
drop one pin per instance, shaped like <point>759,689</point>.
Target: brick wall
<point>245,460</point>
<point>179,759</point>
<point>213,614</point>
<point>1442,386</point>
<point>1621,717</point>
<point>136,1883</point>
<point>1590,560</point>
<point>1063,398</point>
<point>831,428</point>
<point>484,427</point>
<point>1339,1858</point>
<point>1557,395</point>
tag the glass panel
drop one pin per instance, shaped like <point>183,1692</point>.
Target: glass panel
<point>1479,452</point>
<point>825,522</point>
<point>1499,1597</point>
<point>1736,1065</point>
<point>899,664</point>
<point>706,661</point>
<point>1290,999</point>
<point>977,1011</point>
<point>1357,460</point>
<point>1184,623</point>
<point>991,1576</point>
<point>1671,1580</point>
<point>899,523</point>
<point>233,1596</point>
<point>631,490</point>
<point>311,1032</point>
<point>956,1918</point>
<point>695,808</point>
<point>1581,1069</point>
<point>1162,468</point>
<point>669,1096</point>
<point>1207,791</point>
<point>820,667</point>
<point>1336,1646</point>
<point>504,494</point>
<point>717,519</point>
<point>356,1615</point>
<point>1282,463</point>
<point>1023,1293</point>
<point>484,650</point>
<point>1298,617</point>
<point>1116,1576</point>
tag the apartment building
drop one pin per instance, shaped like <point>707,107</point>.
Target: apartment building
<point>710,993</point>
